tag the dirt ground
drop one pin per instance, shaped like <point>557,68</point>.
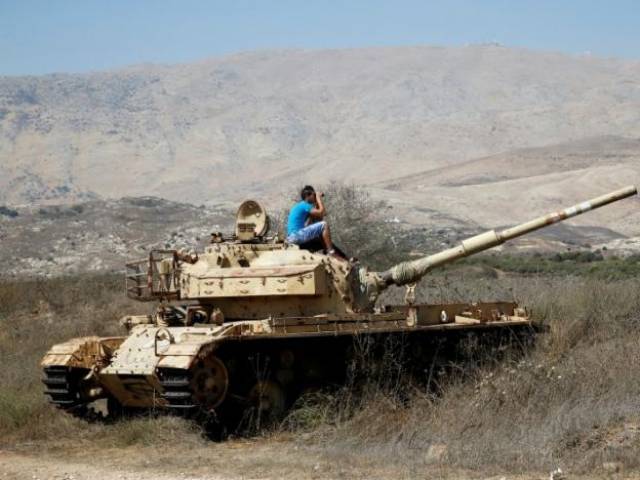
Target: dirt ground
<point>138,466</point>
<point>233,460</point>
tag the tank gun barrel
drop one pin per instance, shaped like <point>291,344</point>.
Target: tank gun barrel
<point>412,271</point>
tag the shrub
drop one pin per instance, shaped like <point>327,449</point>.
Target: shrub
<point>8,212</point>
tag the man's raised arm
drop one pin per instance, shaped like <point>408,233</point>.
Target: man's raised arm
<point>319,211</point>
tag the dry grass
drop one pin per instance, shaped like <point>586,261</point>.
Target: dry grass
<point>571,401</point>
<point>35,314</point>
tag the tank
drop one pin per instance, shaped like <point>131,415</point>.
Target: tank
<point>250,323</point>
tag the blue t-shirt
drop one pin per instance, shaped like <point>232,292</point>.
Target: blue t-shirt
<point>298,217</point>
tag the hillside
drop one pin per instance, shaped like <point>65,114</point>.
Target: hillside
<point>499,189</point>
<point>100,235</point>
<point>460,131</point>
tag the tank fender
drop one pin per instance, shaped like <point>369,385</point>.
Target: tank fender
<point>182,351</point>
<point>82,352</point>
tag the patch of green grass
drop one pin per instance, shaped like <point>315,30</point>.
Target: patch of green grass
<point>576,263</point>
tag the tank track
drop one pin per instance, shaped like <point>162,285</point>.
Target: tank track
<point>176,390</point>
<point>180,400</point>
<point>61,386</point>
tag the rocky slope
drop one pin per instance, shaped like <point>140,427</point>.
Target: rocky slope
<point>100,235</point>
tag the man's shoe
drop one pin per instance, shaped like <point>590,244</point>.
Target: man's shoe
<point>335,254</point>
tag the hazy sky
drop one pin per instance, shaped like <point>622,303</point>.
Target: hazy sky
<point>70,36</point>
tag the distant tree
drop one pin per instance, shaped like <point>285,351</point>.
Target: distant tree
<point>8,212</point>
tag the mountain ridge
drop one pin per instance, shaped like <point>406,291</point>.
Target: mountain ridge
<point>262,123</point>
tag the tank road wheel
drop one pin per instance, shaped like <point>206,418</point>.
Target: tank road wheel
<point>209,382</point>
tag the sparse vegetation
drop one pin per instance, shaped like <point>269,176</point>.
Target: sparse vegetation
<point>8,212</point>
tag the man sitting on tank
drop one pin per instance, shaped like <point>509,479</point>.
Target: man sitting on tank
<point>306,222</point>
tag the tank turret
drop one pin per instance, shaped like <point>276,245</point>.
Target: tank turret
<point>251,275</point>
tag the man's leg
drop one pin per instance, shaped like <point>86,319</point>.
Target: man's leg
<point>316,231</point>
<point>308,233</point>
<point>326,238</point>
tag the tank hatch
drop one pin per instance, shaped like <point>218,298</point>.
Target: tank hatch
<point>252,221</point>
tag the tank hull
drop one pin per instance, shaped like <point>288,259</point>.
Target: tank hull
<point>231,368</point>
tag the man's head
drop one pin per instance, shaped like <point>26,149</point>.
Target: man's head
<point>308,194</point>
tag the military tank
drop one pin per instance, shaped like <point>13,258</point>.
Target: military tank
<point>252,322</point>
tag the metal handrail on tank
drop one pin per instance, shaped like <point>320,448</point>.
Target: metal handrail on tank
<point>154,277</point>
<point>412,271</point>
